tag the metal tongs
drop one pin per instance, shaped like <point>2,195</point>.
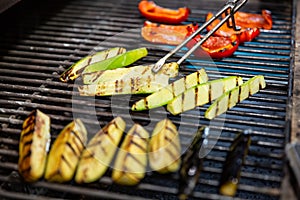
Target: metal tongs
<point>231,7</point>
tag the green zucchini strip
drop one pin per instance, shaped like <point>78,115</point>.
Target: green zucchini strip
<point>234,96</point>
<point>202,94</point>
<point>75,70</point>
<point>121,60</point>
<point>166,94</point>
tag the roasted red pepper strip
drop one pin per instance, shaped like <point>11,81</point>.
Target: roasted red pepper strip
<point>244,35</point>
<point>215,46</point>
<point>165,34</point>
<point>156,13</point>
<point>250,20</point>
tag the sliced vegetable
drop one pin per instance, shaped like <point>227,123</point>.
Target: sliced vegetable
<point>191,165</point>
<point>130,164</point>
<point>214,46</point>
<point>252,20</point>
<point>234,96</point>
<point>118,61</point>
<point>166,34</point>
<point>245,34</point>
<point>166,94</point>
<point>164,147</point>
<point>65,152</point>
<point>134,85</point>
<point>202,94</point>
<point>76,69</point>
<point>169,69</point>
<point>156,13</point>
<point>34,146</point>
<point>99,152</point>
<point>233,164</point>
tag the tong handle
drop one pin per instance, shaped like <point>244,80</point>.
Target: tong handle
<point>231,5</point>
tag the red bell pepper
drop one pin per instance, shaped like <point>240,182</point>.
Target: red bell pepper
<point>165,34</point>
<point>245,34</point>
<point>251,20</point>
<point>215,46</point>
<point>156,13</point>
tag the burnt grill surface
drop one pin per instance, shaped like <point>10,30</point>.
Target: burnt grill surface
<point>40,40</point>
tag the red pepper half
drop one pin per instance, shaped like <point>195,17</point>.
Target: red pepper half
<point>246,34</point>
<point>156,13</point>
<point>215,46</point>
<point>251,20</point>
<point>165,34</point>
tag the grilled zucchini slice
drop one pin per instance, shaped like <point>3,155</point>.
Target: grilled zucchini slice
<point>135,72</point>
<point>99,152</point>
<point>131,160</point>
<point>65,152</point>
<point>164,147</point>
<point>75,70</point>
<point>202,94</point>
<point>121,60</point>
<point>166,94</point>
<point>234,96</point>
<point>136,85</point>
<point>34,146</point>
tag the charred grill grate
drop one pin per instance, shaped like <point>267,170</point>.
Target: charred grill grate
<point>43,39</point>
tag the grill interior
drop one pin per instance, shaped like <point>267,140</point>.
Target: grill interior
<point>40,40</point>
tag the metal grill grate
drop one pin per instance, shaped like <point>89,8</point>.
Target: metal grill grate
<point>40,40</point>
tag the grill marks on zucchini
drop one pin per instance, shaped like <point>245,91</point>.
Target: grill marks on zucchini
<point>133,80</point>
<point>234,96</point>
<point>166,94</point>
<point>141,71</point>
<point>65,152</point>
<point>99,152</point>
<point>202,94</point>
<point>34,145</point>
<point>75,70</point>
<point>164,147</point>
<point>131,159</point>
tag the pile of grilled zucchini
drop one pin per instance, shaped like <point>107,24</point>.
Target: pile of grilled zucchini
<point>195,90</point>
<point>105,73</point>
<point>72,156</point>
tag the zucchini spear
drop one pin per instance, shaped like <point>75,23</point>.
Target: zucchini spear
<point>166,94</point>
<point>191,165</point>
<point>76,69</point>
<point>99,152</point>
<point>34,146</point>
<point>135,72</point>
<point>131,160</point>
<point>133,80</point>
<point>65,152</point>
<point>234,96</point>
<point>233,164</point>
<point>202,94</point>
<point>164,147</point>
<point>121,60</point>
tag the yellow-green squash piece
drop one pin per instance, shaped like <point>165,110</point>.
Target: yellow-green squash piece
<point>98,154</point>
<point>164,147</point>
<point>202,94</point>
<point>65,152</point>
<point>34,146</point>
<point>131,160</point>
<point>166,94</point>
<point>234,96</point>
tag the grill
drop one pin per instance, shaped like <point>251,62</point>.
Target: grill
<point>40,40</point>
